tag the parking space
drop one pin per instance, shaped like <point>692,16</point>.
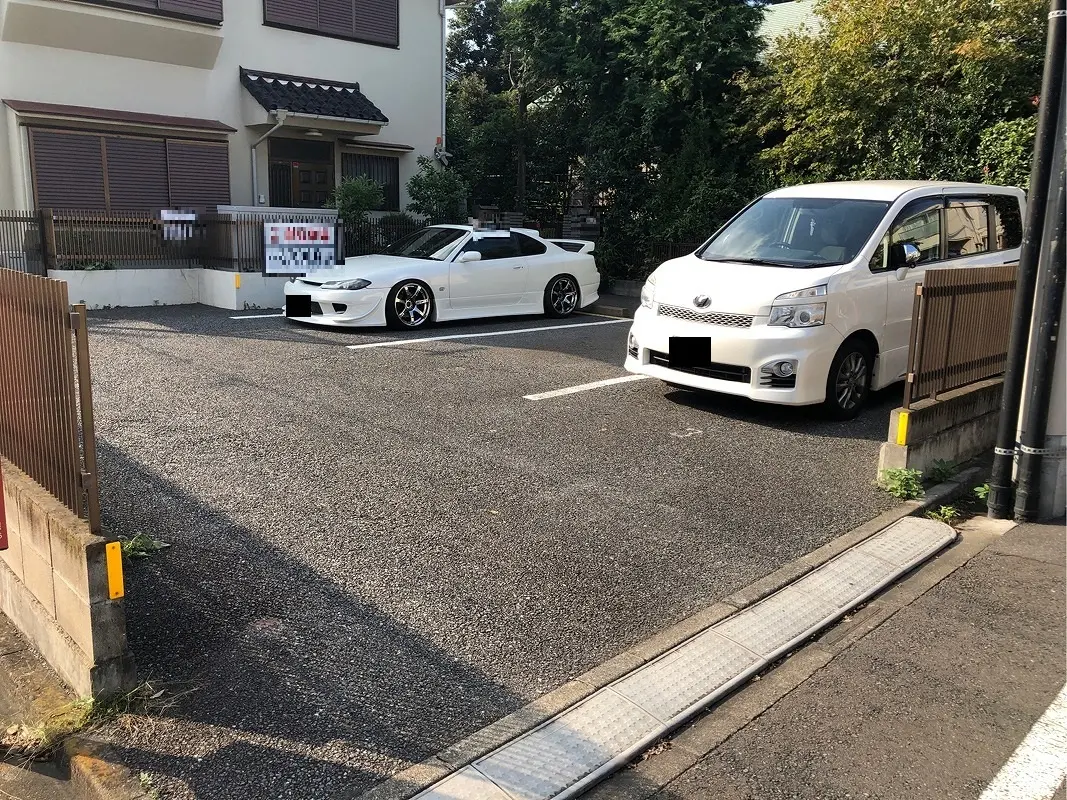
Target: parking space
<point>379,549</point>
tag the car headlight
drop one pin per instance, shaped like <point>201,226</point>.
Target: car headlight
<point>357,283</point>
<point>648,292</point>
<point>799,315</point>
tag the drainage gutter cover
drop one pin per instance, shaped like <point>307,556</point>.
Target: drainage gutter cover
<point>591,739</point>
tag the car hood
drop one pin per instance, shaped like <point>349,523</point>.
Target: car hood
<point>733,288</point>
<point>379,270</point>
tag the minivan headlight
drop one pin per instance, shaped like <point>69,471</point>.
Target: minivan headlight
<point>799,315</point>
<point>648,292</point>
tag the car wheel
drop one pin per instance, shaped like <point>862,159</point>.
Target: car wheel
<point>561,296</point>
<point>409,305</point>
<point>849,383</point>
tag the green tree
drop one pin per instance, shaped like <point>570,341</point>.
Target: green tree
<point>354,197</point>
<point>436,192</point>
<point>895,88</point>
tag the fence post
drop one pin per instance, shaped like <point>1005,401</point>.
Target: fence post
<point>47,225</point>
<point>914,360</point>
<point>89,482</point>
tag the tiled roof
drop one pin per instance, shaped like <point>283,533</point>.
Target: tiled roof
<point>790,17</point>
<point>310,96</point>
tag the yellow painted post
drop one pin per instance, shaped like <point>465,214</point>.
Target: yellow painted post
<point>237,280</point>
<point>902,428</point>
<point>113,551</point>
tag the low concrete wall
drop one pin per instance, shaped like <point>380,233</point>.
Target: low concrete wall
<point>62,587</point>
<point>131,287</point>
<point>957,426</point>
<point>240,291</point>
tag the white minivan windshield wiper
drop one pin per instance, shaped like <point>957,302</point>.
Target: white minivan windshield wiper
<point>763,262</point>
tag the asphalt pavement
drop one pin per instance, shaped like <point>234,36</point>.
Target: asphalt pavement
<point>378,551</point>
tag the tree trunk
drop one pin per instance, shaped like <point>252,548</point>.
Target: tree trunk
<point>520,153</point>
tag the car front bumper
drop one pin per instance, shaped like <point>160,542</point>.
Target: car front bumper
<point>336,307</point>
<point>737,355</point>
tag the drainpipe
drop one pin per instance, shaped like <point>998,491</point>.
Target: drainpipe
<point>1000,481</point>
<point>444,66</point>
<point>1032,442</point>
<point>279,116</point>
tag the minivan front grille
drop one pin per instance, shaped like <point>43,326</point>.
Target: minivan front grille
<point>721,372</point>
<point>708,318</point>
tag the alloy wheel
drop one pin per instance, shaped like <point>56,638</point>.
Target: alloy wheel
<point>851,384</point>
<point>412,304</point>
<point>563,296</point>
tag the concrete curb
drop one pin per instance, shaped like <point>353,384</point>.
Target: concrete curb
<point>411,781</point>
<point>96,775</point>
<point>610,311</point>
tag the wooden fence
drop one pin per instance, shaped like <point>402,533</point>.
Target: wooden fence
<point>959,329</point>
<point>46,406</point>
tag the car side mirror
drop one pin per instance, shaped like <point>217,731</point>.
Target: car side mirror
<point>902,273</point>
<point>469,255</point>
<point>904,255</point>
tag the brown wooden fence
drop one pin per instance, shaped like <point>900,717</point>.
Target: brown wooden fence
<point>959,329</point>
<point>46,398</point>
<point>20,242</point>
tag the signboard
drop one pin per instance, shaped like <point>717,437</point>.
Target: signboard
<point>177,225</point>
<point>296,248</point>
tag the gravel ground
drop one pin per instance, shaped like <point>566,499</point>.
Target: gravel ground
<point>378,551</point>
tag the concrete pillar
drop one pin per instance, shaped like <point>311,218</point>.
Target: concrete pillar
<point>1054,467</point>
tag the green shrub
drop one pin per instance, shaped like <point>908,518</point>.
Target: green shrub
<point>950,515</point>
<point>354,197</point>
<point>906,484</point>
<point>982,492</point>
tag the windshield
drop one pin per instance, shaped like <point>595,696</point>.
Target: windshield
<point>797,232</point>
<point>434,243</point>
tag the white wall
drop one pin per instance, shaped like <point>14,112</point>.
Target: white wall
<point>405,84</point>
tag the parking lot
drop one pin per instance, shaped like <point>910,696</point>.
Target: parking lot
<point>381,544</point>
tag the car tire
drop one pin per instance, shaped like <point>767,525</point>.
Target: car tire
<point>409,306</point>
<point>561,296</point>
<point>848,385</point>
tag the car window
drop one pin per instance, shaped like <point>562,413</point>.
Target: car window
<point>494,247</point>
<point>918,223</point>
<point>528,246</point>
<point>1007,221</point>
<point>966,228</point>
<point>432,242</point>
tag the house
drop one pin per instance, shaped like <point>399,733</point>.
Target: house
<point>791,16</point>
<point>143,105</point>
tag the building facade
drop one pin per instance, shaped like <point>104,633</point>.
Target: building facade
<point>144,105</point>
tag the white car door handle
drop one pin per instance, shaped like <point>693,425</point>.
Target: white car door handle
<point>518,267</point>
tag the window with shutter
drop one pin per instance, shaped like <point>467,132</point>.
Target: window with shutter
<point>68,170</point>
<point>136,174</point>
<point>370,21</point>
<point>199,174</point>
<point>383,169</point>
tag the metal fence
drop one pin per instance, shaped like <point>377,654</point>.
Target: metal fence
<point>20,241</point>
<point>373,236</point>
<point>959,329</point>
<point>46,402</point>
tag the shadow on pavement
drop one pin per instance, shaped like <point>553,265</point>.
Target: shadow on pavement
<point>298,689</point>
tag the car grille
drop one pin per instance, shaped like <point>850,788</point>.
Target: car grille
<point>708,318</point>
<point>776,382</point>
<point>722,372</point>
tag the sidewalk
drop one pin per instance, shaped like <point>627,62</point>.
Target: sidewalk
<point>926,701</point>
<point>614,305</point>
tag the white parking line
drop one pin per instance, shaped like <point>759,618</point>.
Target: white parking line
<point>256,316</point>
<point>1038,767</point>
<point>398,342</point>
<point>585,387</point>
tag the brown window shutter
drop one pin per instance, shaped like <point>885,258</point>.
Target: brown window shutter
<point>292,13</point>
<point>199,174</point>
<point>376,21</point>
<point>336,17</point>
<point>68,170</point>
<point>137,174</point>
<point>205,10</point>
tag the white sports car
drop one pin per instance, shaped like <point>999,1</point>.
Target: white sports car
<point>446,272</point>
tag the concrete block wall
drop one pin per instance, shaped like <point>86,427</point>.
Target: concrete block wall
<point>62,588</point>
<point>957,426</point>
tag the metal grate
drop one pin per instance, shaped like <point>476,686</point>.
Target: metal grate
<point>711,318</point>
<point>722,372</point>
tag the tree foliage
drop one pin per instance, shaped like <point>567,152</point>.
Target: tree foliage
<point>436,192</point>
<point>354,197</point>
<point>895,88</point>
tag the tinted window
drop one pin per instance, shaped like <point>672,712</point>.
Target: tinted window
<point>1007,222</point>
<point>797,232</point>
<point>493,247</point>
<point>966,228</point>
<point>919,223</point>
<point>435,243</point>
<point>528,246</point>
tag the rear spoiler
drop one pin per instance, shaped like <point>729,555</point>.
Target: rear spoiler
<point>574,245</point>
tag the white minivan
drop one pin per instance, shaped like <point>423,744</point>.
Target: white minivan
<point>806,295</point>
